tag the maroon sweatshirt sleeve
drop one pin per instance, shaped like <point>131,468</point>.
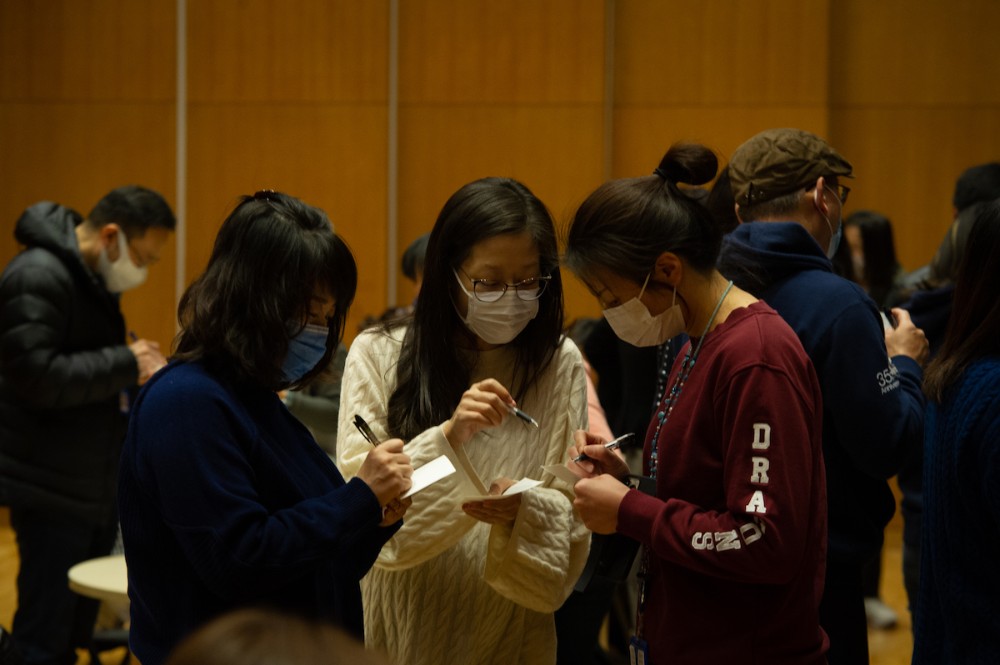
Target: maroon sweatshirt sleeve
<point>770,429</point>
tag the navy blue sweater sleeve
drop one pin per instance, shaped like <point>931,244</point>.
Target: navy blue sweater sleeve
<point>250,499</point>
<point>879,417</point>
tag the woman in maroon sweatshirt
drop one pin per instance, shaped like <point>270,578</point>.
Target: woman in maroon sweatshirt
<point>734,539</point>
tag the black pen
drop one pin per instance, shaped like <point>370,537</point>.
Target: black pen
<point>521,414</point>
<point>610,445</point>
<point>365,430</point>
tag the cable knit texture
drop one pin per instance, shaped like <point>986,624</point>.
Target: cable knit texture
<point>450,589</point>
<point>956,616</point>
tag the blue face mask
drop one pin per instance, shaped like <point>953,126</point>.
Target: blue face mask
<point>305,350</point>
<point>835,241</point>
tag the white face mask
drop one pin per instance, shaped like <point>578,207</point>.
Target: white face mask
<point>633,323</point>
<point>500,321</point>
<point>121,275</point>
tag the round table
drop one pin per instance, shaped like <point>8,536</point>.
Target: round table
<point>104,578</point>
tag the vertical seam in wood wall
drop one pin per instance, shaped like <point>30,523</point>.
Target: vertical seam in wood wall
<point>392,155</point>
<point>181,155</point>
<point>609,87</point>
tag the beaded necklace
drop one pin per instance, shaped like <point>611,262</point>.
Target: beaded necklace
<point>667,403</point>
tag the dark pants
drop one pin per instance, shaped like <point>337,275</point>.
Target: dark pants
<point>51,621</point>
<point>842,614</point>
<point>871,576</point>
<point>578,624</point>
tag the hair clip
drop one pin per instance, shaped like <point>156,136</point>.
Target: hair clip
<point>265,195</point>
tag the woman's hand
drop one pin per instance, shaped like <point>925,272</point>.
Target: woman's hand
<point>597,500</point>
<point>394,511</point>
<point>387,471</point>
<point>483,405</point>
<point>495,511</point>
<point>599,459</point>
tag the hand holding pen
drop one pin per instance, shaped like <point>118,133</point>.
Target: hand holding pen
<point>387,471</point>
<point>614,444</point>
<point>592,456</point>
<point>147,354</point>
<point>485,404</point>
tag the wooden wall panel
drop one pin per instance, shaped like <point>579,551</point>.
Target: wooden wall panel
<point>906,162</point>
<point>721,52</point>
<point>510,89</point>
<point>291,96</point>
<point>902,54</point>
<point>288,50</point>
<point>915,95</point>
<point>96,50</point>
<point>512,52</point>
<point>86,105</point>
<point>331,157</point>
<point>714,73</point>
<point>554,152</point>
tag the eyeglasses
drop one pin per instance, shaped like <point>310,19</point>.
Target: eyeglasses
<point>842,191</point>
<point>487,290</point>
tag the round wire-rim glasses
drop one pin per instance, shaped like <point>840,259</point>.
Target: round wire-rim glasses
<point>488,290</point>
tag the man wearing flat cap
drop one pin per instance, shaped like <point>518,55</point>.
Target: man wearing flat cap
<point>789,199</point>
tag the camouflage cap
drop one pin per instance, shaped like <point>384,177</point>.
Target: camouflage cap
<point>779,161</point>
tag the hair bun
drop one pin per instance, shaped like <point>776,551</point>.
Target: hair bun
<point>688,163</point>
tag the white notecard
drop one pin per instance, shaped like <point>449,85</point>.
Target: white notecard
<point>562,473</point>
<point>428,474</point>
<point>522,485</point>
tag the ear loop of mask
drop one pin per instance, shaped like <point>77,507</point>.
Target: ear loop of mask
<point>816,201</point>
<point>643,290</point>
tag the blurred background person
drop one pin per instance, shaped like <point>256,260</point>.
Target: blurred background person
<point>956,618</point>
<point>874,267</point>
<point>269,637</point>
<point>66,370</point>
<point>873,256</point>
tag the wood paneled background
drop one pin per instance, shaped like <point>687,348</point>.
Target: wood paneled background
<point>297,95</point>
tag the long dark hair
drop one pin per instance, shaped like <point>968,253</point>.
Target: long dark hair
<point>433,372</point>
<point>974,327</point>
<point>626,224</point>
<point>271,254</point>
<point>881,266</point>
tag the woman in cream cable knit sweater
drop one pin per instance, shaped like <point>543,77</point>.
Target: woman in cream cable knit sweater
<point>475,581</point>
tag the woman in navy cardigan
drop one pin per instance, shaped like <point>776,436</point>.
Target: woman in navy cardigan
<point>226,500</point>
<point>955,615</point>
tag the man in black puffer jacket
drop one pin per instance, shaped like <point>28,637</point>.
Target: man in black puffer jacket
<point>65,369</point>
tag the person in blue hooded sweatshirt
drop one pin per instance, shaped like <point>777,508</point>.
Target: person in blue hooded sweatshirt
<point>226,500</point>
<point>789,199</point>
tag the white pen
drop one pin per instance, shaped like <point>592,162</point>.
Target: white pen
<point>610,445</point>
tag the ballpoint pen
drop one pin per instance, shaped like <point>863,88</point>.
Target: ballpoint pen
<point>365,430</point>
<point>610,445</point>
<point>370,437</point>
<point>521,414</point>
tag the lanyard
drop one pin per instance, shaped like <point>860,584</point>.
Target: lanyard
<point>667,403</point>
